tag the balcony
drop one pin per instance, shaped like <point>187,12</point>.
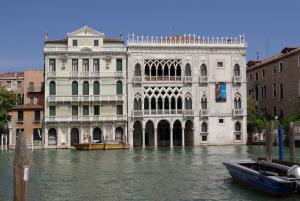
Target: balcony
<point>85,118</point>
<point>51,74</point>
<point>188,113</point>
<point>87,98</point>
<point>188,79</point>
<point>237,79</point>
<point>162,78</point>
<point>237,112</point>
<point>203,113</point>
<point>203,79</point>
<point>140,113</point>
<point>137,79</point>
<point>119,74</point>
<point>34,89</point>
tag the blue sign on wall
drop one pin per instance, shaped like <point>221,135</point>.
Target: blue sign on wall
<point>221,92</point>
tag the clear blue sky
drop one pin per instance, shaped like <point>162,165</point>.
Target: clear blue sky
<point>23,23</point>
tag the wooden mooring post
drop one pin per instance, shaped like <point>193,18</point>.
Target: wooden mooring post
<point>21,169</point>
<point>269,140</point>
<point>292,143</point>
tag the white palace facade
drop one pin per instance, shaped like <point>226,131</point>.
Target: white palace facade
<point>157,91</point>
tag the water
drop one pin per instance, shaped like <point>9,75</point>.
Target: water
<point>141,174</point>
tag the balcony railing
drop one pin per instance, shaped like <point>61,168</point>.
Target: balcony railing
<point>237,79</point>
<point>87,74</point>
<point>188,113</point>
<point>137,79</point>
<point>34,89</point>
<point>238,112</point>
<point>85,118</point>
<point>162,78</point>
<point>203,113</point>
<point>80,98</point>
<point>188,79</point>
<point>119,74</point>
<point>203,79</point>
<point>75,74</point>
<point>139,113</point>
<point>51,74</point>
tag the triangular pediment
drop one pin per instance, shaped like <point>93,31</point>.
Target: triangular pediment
<point>85,31</point>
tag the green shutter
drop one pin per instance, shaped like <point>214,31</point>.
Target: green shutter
<point>119,88</point>
<point>85,88</point>
<point>119,64</point>
<point>74,110</point>
<point>74,88</point>
<point>52,88</point>
<point>52,111</point>
<point>85,110</point>
<point>96,88</point>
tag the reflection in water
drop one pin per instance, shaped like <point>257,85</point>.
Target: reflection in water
<point>141,174</point>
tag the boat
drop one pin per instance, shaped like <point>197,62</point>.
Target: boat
<point>274,178</point>
<point>106,145</point>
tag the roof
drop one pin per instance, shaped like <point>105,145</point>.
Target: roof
<point>285,52</point>
<point>27,107</point>
<point>65,41</point>
<point>11,74</point>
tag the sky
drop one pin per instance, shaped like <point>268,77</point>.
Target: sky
<point>269,25</point>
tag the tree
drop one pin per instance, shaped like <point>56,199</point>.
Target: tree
<point>7,100</point>
<point>256,121</point>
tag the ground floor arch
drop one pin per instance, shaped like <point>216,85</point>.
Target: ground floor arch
<point>119,134</point>
<point>74,136</point>
<point>177,133</point>
<point>163,133</point>
<point>97,135</point>
<point>188,133</point>
<point>137,134</point>
<point>52,136</point>
<point>149,134</point>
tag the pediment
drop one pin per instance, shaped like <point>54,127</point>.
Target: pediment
<point>85,31</point>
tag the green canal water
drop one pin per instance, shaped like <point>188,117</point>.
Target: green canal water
<point>140,174</point>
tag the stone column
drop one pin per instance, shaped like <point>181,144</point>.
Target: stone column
<point>143,137</point>
<point>113,132</point>
<point>125,139</point>
<point>59,133</point>
<point>155,137</point>
<point>130,137</point>
<point>171,136</point>
<point>69,137</point>
<point>46,138</point>
<point>182,137</point>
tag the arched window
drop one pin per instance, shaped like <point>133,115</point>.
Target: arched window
<point>237,70</point>
<point>188,103</point>
<point>237,102</point>
<point>173,104</point>
<point>166,103</point>
<point>204,127</point>
<point>172,70</point>
<point>203,70</point>
<point>204,103</point>
<point>137,104</point>
<point>159,70</point>
<point>153,71</point>
<point>188,70</point>
<point>119,88</point>
<point>166,70</point>
<point>85,88</point>
<point>74,88</point>
<point>238,126</point>
<point>52,88</point>
<point>96,88</point>
<point>281,91</point>
<point>147,70</point>
<point>153,104</point>
<point>178,71</point>
<point>146,103</point>
<point>137,70</point>
<point>179,103</point>
<point>159,103</point>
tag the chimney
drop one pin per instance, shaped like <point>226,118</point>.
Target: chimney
<point>46,36</point>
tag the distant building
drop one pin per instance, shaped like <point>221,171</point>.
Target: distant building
<point>274,82</point>
<point>13,81</point>
<point>28,117</point>
<point>85,89</point>
<point>186,90</point>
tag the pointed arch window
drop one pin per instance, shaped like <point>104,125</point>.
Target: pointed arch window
<point>188,103</point>
<point>52,88</point>
<point>179,103</point>
<point>188,70</point>
<point>96,88</point>
<point>204,103</point>
<point>74,88</point>
<point>204,127</point>
<point>237,102</point>
<point>119,87</point>
<point>237,70</point>
<point>146,103</point>
<point>237,127</point>
<point>85,88</point>
<point>203,70</point>
<point>137,70</point>
<point>137,104</point>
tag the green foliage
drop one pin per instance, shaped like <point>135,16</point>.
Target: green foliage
<point>7,100</point>
<point>256,120</point>
<point>289,118</point>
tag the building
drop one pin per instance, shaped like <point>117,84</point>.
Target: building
<point>13,81</point>
<point>85,89</point>
<point>274,82</point>
<point>28,117</point>
<point>186,90</point>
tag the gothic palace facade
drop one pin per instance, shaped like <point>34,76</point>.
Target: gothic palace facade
<point>156,91</point>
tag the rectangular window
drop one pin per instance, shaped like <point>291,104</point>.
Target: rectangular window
<point>256,92</point>
<point>274,90</point>
<point>262,92</point>
<point>75,65</point>
<point>275,111</point>
<point>119,109</point>
<point>263,73</point>
<point>220,90</point>
<point>37,115</point>
<point>31,86</point>
<point>74,110</point>
<point>37,134</point>
<point>221,121</point>
<point>52,65</point>
<point>265,92</point>
<point>52,110</point>
<point>85,64</point>
<point>31,100</point>
<point>204,138</point>
<point>75,43</point>
<point>85,110</point>
<point>219,64</point>
<point>256,76</point>
<point>237,137</point>
<point>20,115</point>
<point>19,130</point>
<point>19,84</point>
<point>280,66</point>
<point>96,65</point>
<point>274,69</point>
<point>96,109</point>
<point>119,64</point>
<point>298,61</point>
<point>8,84</point>
<point>96,42</point>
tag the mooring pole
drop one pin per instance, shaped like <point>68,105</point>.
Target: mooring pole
<point>21,169</point>
<point>2,142</point>
<point>292,143</point>
<point>269,140</point>
<point>6,141</point>
<point>280,140</point>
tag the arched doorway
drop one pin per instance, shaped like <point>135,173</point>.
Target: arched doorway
<point>177,133</point>
<point>137,134</point>
<point>74,136</point>
<point>188,133</point>
<point>163,133</point>
<point>149,134</point>
<point>52,137</point>
<point>97,135</point>
<point>119,134</point>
